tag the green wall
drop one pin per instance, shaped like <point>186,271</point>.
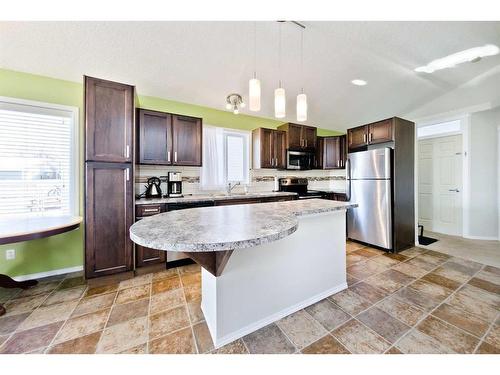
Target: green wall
<point>66,250</point>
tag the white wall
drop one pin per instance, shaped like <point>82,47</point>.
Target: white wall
<point>483,210</point>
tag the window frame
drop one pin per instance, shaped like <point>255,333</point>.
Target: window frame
<point>73,113</point>
<point>245,135</point>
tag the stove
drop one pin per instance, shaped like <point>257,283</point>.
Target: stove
<point>299,186</point>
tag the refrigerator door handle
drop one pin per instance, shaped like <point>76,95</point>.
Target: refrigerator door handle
<point>348,176</point>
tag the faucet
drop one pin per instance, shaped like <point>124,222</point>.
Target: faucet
<point>231,187</point>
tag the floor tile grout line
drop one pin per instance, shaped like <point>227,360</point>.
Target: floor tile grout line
<point>188,314</point>
<point>486,333</point>
<point>66,320</point>
<point>107,320</point>
<point>435,308</point>
<point>148,321</point>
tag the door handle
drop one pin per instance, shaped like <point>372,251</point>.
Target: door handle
<point>454,190</point>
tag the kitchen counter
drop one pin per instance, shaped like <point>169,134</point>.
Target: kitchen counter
<point>227,227</point>
<point>259,262</point>
<point>213,197</point>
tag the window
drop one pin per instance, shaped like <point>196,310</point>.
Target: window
<point>38,148</point>
<point>225,157</point>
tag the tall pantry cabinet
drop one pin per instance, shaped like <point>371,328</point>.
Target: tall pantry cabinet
<point>109,187</point>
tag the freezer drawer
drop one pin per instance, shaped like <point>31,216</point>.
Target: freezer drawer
<point>371,221</point>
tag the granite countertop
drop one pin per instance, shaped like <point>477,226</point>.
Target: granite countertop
<point>227,227</point>
<point>213,197</point>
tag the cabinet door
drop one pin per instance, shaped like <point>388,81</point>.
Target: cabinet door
<point>109,118</point>
<point>146,256</point>
<point>380,132</point>
<point>357,137</point>
<point>279,146</point>
<point>108,217</point>
<point>343,150</point>
<point>155,133</point>
<point>318,157</point>
<point>266,148</point>
<point>308,137</point>
<point>186,140</point>
<point>331,153</point>
<point>294,135</point>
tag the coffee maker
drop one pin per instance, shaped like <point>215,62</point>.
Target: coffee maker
<point>174,184</point>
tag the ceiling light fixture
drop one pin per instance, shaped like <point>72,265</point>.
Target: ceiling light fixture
<point>359,82</point>
<point>302,98</point>
<point>468,55</point>
<point>234,102</point>
<point>279,93</point>
<point>254,83</point>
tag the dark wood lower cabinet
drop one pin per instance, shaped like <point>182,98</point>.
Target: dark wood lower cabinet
<point>108,217</point>
<point>144,256</point>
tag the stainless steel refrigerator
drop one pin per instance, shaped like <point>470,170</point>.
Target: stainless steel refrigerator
<point>369,184</point>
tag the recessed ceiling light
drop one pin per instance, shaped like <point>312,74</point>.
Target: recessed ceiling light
<point>358,82</point>
<point>468,55</point>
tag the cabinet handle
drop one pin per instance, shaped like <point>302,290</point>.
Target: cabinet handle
<point>127,151</point>
<point>151,210</point>
<point>364,137</point>
<point>175,156</point>
<point>306,142</point>
<point>168,156</point>
<point>127,174</point>
<point>370,137</point>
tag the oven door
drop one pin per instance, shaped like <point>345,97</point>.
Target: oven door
<point>299,160</point>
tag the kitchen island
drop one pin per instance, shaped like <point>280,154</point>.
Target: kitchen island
<point>259,262</point>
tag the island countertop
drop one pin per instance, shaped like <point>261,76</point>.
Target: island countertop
<point>227,227</point>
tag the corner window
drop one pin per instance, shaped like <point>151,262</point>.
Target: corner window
<point>38,153</point>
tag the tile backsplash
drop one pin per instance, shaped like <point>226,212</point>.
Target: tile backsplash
<point>260,179</point>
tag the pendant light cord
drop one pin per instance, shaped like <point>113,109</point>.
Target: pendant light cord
<point>302,58</point>
<point>279,52</point>
<point>255,49</point>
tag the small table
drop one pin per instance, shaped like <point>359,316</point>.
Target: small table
<point>26,229</point>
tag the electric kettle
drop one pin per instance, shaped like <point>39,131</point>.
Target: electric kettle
<point>153,188</point>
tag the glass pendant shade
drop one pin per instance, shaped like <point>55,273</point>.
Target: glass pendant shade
<point>254,94</point>
<point>279,103</point>
<point>301,107</point>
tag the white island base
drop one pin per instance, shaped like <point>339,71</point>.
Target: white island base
<point>262,284</point>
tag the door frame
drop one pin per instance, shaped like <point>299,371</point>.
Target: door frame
<point>464,131</point>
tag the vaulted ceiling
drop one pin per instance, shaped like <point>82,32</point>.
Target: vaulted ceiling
<point>202,62</point>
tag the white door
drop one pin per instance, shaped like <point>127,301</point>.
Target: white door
<point>448,177</point>
<point>440,184</point>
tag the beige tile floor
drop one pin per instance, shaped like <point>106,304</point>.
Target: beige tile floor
<point>418,301</point>
<point>486,252</point>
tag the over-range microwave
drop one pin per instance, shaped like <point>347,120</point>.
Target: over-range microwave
<point>299,160</point>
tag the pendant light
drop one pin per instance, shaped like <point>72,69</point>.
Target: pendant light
<point>279,93</point>
<point>254,83</point>
<point>302,98</point>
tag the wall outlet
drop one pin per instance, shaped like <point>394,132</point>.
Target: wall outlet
<point>10,254</point>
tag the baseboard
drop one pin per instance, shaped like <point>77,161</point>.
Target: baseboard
<point>481,238</point>
<point>41,275</point>
<point>272,318</point>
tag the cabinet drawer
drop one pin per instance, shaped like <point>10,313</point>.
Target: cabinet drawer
<point>149,209</point>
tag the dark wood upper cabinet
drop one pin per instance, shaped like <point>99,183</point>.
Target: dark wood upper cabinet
<point>331,152</point>
<point>357,137</point>
<point>299,137</point>
<point>109,118</point>
<point>186,140</point>
<point>279,141</point>
<point>380,132</point>
<point>108,217</point>
<point>377,132</point>
<point>154,137</point>
<point>268,148</point>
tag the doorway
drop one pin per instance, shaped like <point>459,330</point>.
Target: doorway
<point>440,184</point>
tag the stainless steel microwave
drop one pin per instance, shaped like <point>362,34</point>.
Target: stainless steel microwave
<point>299,160</point>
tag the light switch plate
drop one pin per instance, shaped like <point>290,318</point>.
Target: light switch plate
<point>10,254</point>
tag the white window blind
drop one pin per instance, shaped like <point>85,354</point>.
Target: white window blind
<point>236,158</point>
<point>36,153</point>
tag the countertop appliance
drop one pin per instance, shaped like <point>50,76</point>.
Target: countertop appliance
<point>369,184</point>
<point>174,184</point>
<point>299,186</point>
<point>153,189</point>
<point>299,160</point>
